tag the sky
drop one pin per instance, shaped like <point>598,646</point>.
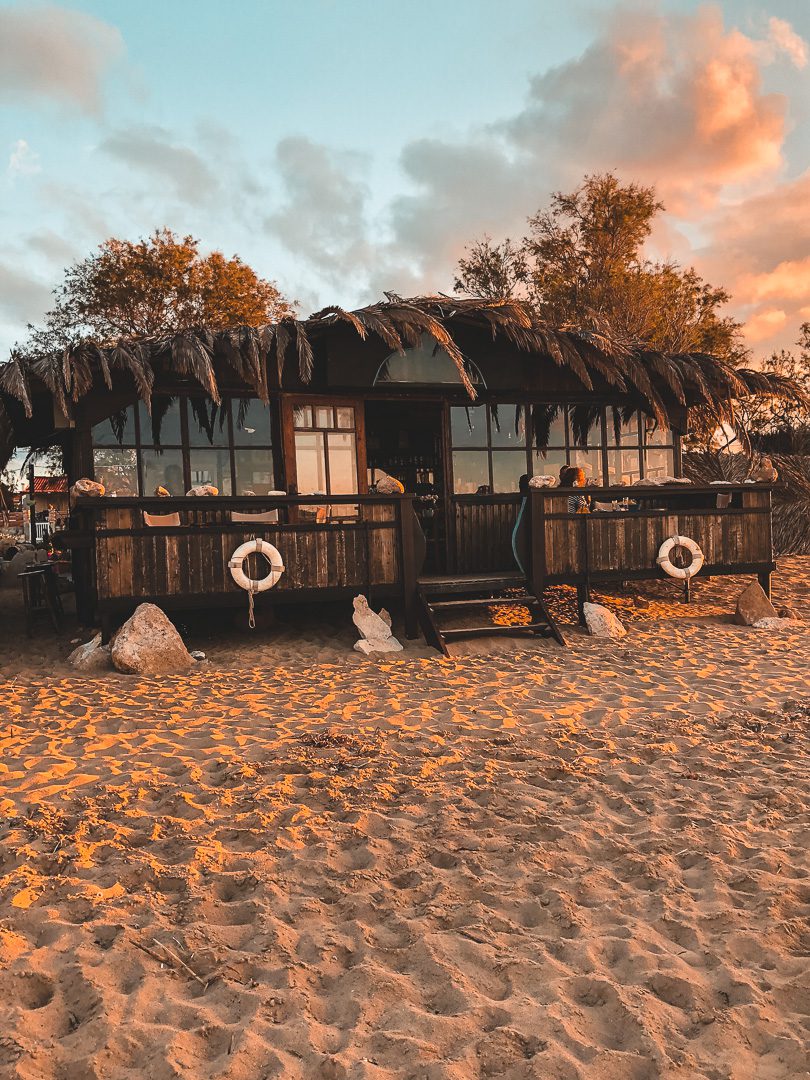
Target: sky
<point>346,147</point>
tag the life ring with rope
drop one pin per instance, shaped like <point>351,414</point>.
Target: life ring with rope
<point>664,559</point>
<point>256,547</point>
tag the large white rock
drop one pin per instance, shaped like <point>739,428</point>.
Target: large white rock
<point>92,656</point>
<point>774,623</point>
<point>148,644</point>
<point>601,622</point>
<point>375,630</point>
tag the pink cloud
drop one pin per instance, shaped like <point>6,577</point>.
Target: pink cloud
<point>50,52</point>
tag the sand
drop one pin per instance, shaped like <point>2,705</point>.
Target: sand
<point>518,862</point>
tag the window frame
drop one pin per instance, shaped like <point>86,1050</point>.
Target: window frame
<point>601,438</point>
<point>143,444</point>
<point>290,402</point>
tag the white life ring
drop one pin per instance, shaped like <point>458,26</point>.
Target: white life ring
<point>682,572</point>
<point>256,547</point>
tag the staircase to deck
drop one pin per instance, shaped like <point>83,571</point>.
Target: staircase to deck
<point>458,597</point>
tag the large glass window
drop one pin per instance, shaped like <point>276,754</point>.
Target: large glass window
<point>489,445</point>
<point>117,470</point>
<point>184,441</point>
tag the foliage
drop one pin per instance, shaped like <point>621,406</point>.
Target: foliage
<point>158,285</point>
<point>791,498</point>
<point>783,426</point>
<point>581,264</point>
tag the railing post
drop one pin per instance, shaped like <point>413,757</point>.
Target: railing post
<point>409,568</point>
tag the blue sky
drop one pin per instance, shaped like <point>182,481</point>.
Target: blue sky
<point>343,147</point>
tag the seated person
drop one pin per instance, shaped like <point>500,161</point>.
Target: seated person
<point>572,476</point>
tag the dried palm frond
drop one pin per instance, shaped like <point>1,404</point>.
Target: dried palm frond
<point>648,378</point>
<point>341,315</point>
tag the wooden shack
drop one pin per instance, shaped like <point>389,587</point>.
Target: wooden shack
<point>297,424</point>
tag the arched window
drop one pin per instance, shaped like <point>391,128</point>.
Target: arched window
<point>427,364</point>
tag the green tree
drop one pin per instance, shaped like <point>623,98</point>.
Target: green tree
<point>154,286</point>
<point>778,425</point>
<point>581,264</point>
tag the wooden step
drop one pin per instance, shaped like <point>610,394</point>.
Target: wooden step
<point>523,601</point>
<point>503,631</point>
<point>471,583</point>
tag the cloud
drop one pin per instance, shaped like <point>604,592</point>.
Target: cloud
<point>22,298</point>
<point>784,38</point>
<point>49,52</point>
<point>23,161</point>
<point>674,101</point>
<point>322,218</point>
<point>155,151</point>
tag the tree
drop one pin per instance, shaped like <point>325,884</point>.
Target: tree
<point>581,264</point>
<point>776,425</point>
<point>154,286</point>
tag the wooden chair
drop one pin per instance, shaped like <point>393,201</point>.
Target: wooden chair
<point>41,596</point>
<point>270,517</point>
<point>165,521</point>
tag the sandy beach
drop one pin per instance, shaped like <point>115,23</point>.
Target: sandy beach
<point>522,861</point>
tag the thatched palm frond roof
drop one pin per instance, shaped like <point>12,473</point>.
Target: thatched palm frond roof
<point>593,357</point>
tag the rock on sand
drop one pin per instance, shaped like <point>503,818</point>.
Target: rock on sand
<point>148,644</point>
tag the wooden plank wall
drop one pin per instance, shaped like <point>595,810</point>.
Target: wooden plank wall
<point>162,562</point>
<point>631,541</point>
<point>483,534</point>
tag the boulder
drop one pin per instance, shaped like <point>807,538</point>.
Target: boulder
<point>753,605</point>
<point>92,656</point>
<point>375,630</point>
<point>601,622</point>
<point>148,644</point>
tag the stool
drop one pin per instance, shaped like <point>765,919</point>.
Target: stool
<point>41,596</point>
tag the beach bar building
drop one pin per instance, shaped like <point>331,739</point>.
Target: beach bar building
<point>296,425</point>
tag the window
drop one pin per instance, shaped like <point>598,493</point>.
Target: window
<point>658,450</point>
<point>624,445</point>
<point>427,364</point>
<point>326,452</point>
<point>489,446</point>
<point>185,441</point>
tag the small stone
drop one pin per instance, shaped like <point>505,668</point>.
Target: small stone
<point>789,613</point>
<point>375,630</point>
<point>543,481</point>
<point>148,644</point>
<point>203,489</point>
<point>93,656</point>
<point>753,605</point>
<point>197,654</point>
<point>389,485</point>
<point>601,622</point>
<point>85,488</point>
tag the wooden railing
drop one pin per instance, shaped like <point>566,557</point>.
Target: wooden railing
<point>731,523</point>
<point>369,544</point>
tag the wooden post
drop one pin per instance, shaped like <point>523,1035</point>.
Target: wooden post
<point>584,590</point>
<point>765,581</point>
<point>409,569</point>
<point>32,510</point>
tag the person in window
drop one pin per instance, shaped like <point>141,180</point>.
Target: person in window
<point>571,476</point>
